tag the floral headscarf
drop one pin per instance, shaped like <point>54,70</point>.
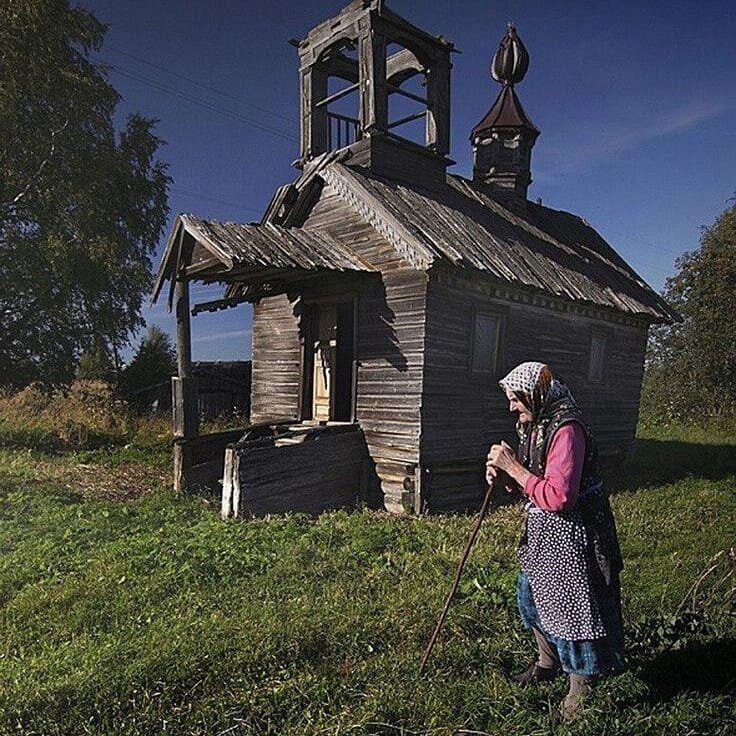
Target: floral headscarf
<point>542,394</point>
<point>535,387</point>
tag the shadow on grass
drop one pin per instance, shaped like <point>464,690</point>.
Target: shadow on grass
<point>708,667</point>
<point>659,462</point>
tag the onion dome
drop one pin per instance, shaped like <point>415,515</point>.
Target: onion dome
<point>511,61</point>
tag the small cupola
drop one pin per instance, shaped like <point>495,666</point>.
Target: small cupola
<point>504,138</point>
<point>375,84</point>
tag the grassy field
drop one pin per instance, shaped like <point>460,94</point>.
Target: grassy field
<point>124,610</point>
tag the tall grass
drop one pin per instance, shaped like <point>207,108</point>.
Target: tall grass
<point>86,415</point>
<point>153,616</point>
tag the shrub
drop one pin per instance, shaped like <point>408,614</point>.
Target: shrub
<point>83,415</point>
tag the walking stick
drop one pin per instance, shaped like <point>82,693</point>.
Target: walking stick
<point>458,574</point>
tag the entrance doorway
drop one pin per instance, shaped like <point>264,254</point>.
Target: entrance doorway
<point>329,362</point>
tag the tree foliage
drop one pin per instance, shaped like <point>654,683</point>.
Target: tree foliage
<point>81,205</point>
<point>690,367</point>
<point>95,364</point>
<point>153,363</point>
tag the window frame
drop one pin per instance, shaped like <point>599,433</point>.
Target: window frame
<point>604,336</point>
<point>496,357</point>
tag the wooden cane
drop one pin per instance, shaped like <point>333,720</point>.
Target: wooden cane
<point>458,575</point>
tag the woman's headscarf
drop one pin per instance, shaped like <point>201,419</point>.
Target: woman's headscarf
<point>540,392</point>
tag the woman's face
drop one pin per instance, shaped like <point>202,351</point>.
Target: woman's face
<point>525,416</point>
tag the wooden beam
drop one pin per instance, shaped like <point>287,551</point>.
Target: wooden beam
<point>402,66</point>
<point>341,66</point>
<point>437,132</point>
<point>184,389</point>
<point>419,490</point>
<point>183,333</point>
<point>337,96</point>
<point>374,95</point>
<point>313,118</point>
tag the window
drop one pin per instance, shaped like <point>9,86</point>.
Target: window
<point>486,332</point>
<point>597,356</point>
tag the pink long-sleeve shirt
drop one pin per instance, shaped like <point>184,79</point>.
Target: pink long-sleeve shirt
<point>558,489</point>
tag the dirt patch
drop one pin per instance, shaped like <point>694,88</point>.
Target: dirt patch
<point>123,481</point>
<point>119,483</point>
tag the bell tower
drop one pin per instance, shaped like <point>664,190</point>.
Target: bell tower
<point>503,140</point>
<point>358,89</point>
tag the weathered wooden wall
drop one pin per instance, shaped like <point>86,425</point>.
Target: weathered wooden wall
<point>463,413</point>
<point>296,471</point>
<point>276,360</point>
<point>199,461</point>
<point>415,388</point>
<point>390,329</point>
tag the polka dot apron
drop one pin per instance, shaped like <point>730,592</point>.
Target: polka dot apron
<point>569,557</point>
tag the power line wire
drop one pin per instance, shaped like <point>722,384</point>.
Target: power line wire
<point>204,104</point>
<point>261,126</point>
<point>637,241</point>
<point>199,84</point>
<point>198,195</point>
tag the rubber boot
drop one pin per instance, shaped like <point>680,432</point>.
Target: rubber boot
<point>572,703</point>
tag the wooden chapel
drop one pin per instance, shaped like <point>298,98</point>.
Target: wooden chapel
<point>390,296</point>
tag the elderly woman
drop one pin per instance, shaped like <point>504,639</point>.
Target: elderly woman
<point>568,589</point>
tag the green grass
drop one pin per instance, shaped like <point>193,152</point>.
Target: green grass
<point>153,616</point>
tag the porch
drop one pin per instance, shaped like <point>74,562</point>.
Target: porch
<point>299,466</point>
<point>255,262</point>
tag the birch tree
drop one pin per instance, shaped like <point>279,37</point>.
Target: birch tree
<point>82,205</point>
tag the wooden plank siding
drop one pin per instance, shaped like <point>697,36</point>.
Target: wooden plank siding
<point>275,377</point>
<point>390,329</point>
<point>390,365</point>
<point>417,400</point>
<point>296,472</point>
<point>462,413</point>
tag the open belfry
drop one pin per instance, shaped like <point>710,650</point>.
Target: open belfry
<point>389,296</point>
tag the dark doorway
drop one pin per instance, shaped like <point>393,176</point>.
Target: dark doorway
<point>329,359</point>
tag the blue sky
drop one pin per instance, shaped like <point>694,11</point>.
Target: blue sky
<point>636,102</point>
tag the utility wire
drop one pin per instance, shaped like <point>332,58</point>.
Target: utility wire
<point>199,84</point>
<point>189,193</point>
<point>206,105</point>
<point>268,129</point>
<point>636,240</point>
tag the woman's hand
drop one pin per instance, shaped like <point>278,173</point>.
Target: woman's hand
<point>491,474</point>
<point>501,457</point>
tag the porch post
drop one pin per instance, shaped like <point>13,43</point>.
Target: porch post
<point>184,390</point>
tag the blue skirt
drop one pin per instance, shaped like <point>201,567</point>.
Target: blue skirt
<point>584,656</point>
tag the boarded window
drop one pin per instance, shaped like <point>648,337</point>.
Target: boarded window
<point>486,330</point>
<point>597,356</point>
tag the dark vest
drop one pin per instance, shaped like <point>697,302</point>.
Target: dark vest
<point>533,453</point>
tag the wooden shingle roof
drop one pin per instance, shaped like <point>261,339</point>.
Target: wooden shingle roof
<point>224,251</point>
<point>531,247</point>
<point>536,247</point>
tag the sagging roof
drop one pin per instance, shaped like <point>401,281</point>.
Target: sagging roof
<point>532,246</point>
<point>224,251</point>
